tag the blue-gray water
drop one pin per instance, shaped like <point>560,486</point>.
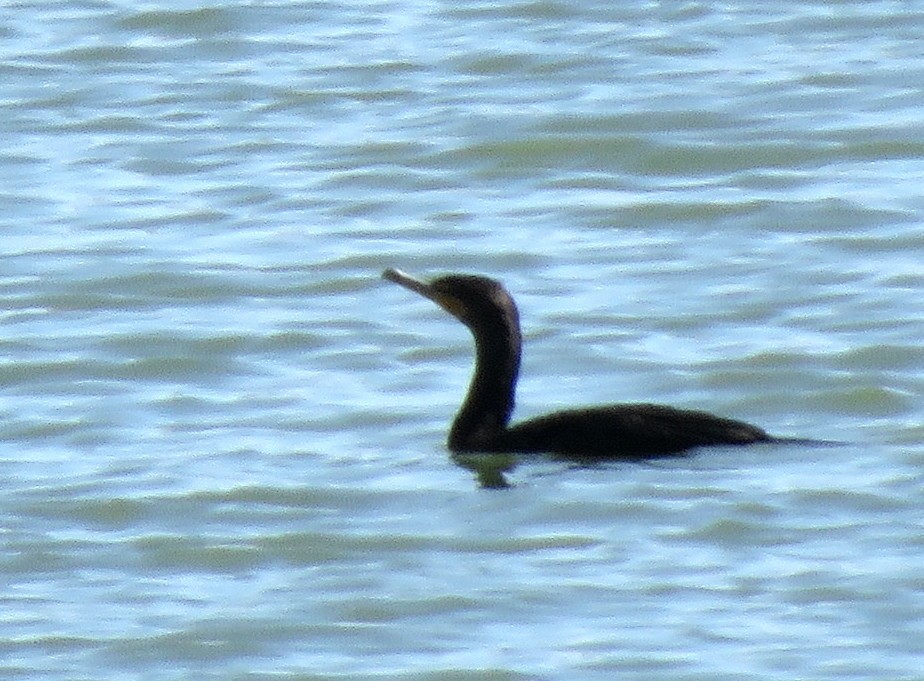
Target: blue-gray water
<point>221,433</point>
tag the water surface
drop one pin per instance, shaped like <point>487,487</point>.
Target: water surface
<point>221,442</point>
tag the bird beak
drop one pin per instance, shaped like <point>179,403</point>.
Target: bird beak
<point>449,303</point>
<point>411,283</point>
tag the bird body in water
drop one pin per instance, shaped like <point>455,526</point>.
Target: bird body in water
<point>611,431</point>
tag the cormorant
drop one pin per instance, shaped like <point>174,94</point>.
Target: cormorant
<point>619,431</point>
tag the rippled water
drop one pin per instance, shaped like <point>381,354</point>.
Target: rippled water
<point>221,442</point>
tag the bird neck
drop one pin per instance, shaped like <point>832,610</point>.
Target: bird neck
<point>489,403</point>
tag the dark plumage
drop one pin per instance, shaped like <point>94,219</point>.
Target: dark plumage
<point>613,431</point>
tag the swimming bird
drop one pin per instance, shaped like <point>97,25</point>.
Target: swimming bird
<point>618,431</point>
